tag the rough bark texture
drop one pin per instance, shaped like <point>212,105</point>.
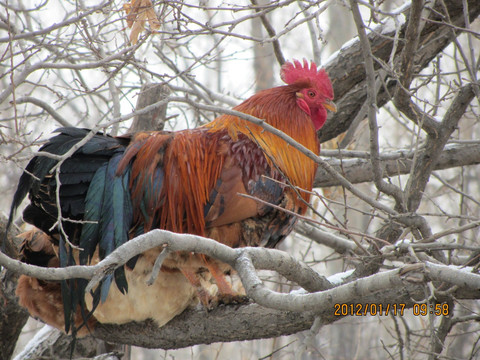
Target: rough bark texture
<point>153,120</point>
<point>357,170</point>
<point>52,344</point>
<point>228,323</point>
<point>348,73</point>
<point>246,322</point>
<point>13,317</point>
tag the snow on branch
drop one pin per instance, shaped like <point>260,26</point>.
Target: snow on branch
<point>246,261</point>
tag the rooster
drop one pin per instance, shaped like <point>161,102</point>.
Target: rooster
<point>113,189</point>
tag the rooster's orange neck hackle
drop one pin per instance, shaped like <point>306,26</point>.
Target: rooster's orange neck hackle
<point>287,109</point>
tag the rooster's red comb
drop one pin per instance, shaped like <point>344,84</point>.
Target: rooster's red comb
<point>296,72</point>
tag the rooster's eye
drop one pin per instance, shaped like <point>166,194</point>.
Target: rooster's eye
<point>311,93</point>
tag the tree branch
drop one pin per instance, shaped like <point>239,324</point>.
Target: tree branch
<point>13,316</point>
<point>371,101</point>
<point>247,322</point>
<point>33,100</point>
<point>429,154</point>
<point>346,70</point>
<point>359,170</point>
<point>382,284</point>
<point>153,120</point>
<point>271,32</point>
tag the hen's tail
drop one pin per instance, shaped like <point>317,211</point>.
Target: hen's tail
<point>76,198</point>
<point>43,299</point>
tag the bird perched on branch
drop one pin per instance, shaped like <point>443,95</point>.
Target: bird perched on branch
<point>112,189</point>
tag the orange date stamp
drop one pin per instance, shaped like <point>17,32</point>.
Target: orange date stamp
<point>390,309</point>
<point>368,309</point>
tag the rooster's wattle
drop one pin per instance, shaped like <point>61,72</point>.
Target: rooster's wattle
<point>114,189</point>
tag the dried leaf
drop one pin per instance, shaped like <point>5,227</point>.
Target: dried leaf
<point>138,13</point>
<point>153,20</point>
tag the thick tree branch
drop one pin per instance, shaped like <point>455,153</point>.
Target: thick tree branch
<point>13,316</point>
<point>346,68</point>
<point>271,259</point>
<point>339,244</point>
<point>359,170</point>
<point>52,344</point>
<point>152,120</point>
<point>247,322</point>
<point>382,284</point>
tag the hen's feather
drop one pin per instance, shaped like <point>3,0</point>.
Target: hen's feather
<point>190,181</point>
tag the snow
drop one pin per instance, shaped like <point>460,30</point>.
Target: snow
<point>403,242</point>
<point>346,45</point>
<point>467,269</point>
<point>401,9</point>
<point>390,24</point>
<point>337,279</point>
<point>298,292</point>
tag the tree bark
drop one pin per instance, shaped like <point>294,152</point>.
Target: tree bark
<point>359,170</point>
<point>153,120</point>
<point>230,323</point>
<point>247,322</point>
<point>13,316</point>
<point>348,74</point>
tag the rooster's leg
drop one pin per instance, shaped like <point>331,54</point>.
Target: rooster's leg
<point>226,294</point>
<point>203,295</point>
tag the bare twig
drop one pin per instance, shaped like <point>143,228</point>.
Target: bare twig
<point>371,102</point>
<point>271,32</point>
<point>33,100</point>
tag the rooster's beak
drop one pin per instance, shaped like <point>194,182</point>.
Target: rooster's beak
<point>330,105</point>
